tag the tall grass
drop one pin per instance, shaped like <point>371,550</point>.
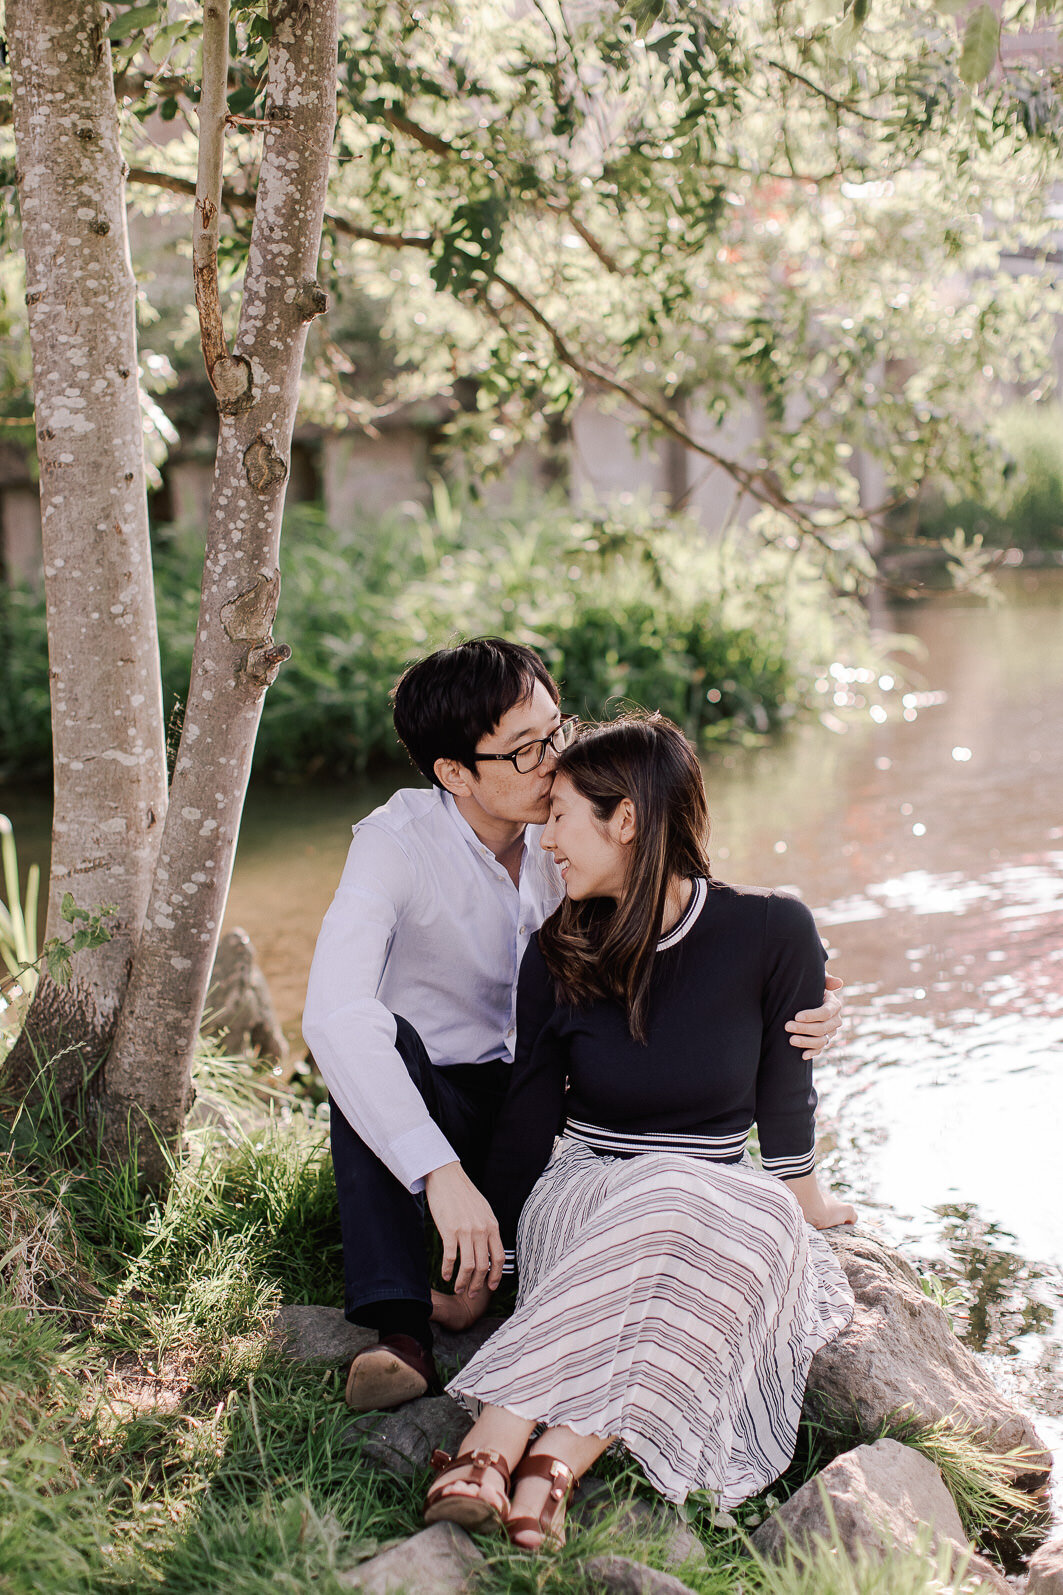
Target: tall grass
<point>152,1436</point>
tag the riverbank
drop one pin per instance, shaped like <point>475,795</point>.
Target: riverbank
<point>153,1434</point>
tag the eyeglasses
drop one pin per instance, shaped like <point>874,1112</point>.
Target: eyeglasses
<point>527,758</point>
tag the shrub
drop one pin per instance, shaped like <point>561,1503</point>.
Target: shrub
<point>625,606</point>
<point>1025,509</point>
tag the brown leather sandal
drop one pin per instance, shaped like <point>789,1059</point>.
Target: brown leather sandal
<point>469,1511</point>
<point>551,1520</point>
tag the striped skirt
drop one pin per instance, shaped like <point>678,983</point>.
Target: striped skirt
<point>673,1303</point>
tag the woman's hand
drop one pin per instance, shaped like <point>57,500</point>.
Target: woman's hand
<point>822,1209</point>
<point>461,1310</point>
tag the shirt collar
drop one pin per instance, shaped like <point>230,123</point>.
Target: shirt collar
<point>470,837</point>
<point>690,913</point>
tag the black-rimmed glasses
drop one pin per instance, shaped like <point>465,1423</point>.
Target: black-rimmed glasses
<point>530,755</point>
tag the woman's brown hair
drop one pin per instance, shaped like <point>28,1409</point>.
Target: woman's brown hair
<point>591,948</point>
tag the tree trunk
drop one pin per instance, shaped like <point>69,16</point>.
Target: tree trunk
<point>149,1069</point>
<point>106,695</point>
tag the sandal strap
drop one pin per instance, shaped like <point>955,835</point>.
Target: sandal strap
<point>559,1475</point>
<point>562,1482</point>
<point>479,1461</point>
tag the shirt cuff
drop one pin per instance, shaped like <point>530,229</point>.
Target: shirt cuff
<point>415,1154</point>
<point>791,1167</point>
<point>509,1267</point>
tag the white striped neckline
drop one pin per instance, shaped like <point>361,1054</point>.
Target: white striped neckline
<point>690,913</point>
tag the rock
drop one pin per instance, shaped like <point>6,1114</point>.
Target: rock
<point>453,1351</point>
<point>319,1334</point>
<point>402,1441</point>
<point>1046,1569</point>
<point>875,1498</point>
<point>622,1576</point>
<point>239,1009</point>
<point>441,1560</point>
<point>899,1355</point>
<point>594,1504</point>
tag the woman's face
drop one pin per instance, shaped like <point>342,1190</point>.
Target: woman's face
<point>592,854</point>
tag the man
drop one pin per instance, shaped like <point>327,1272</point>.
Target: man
<point>440,894</point>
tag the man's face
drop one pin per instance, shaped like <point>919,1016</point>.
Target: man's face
<point>496,787</point>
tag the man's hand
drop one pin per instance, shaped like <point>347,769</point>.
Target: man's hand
<point>813,1029</point>
<point>467,1228</point>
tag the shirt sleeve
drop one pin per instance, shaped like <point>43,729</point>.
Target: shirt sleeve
<point>794,960</point>
<point>534,1109</point>
<point>350,1032</point>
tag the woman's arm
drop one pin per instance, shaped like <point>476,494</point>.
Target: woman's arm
<point>822,1209</point>
<point>786,1097</point>
<point>534,1109</point>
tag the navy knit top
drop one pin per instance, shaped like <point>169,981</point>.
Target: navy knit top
<point>739,963</point>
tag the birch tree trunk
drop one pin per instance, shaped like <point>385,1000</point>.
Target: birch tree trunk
<point>148,1072</point>
<point>106,696</point>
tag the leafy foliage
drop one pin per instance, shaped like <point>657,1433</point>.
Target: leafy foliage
<point>678,209</point>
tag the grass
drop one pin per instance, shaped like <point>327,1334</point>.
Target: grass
<point>152,1438</point>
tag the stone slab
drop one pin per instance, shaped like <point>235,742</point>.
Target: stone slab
<point>875,1499</point>
<point>441,1560</point>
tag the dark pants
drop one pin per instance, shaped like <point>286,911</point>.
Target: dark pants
<point>384,1252</point>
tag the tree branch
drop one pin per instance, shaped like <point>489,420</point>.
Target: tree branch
<point>824,94</point>
<point>233,199</point>
<point>213,107</point>
<point>755,483</point>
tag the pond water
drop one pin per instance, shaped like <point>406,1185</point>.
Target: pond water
<point>931,849</point>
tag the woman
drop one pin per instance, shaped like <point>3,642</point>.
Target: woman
<point>671,1295</point>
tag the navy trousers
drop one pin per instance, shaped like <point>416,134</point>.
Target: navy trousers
<point>385,1257</point>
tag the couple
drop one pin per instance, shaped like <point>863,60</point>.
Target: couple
<point>671,1295</point>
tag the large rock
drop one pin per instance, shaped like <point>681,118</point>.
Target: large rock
<point>876,1499</point>
<point>633,1519</point>
<point>402,1441</point>
<point>441,1560</point>
<point>319,1335</point>
<point>1046,1569</point>
<point>621,1576</point>
<point>453,1350</point>
<point>900,1356</point>
<point>239,1008</point>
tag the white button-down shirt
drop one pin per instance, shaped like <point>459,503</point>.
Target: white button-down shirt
<point>425,923</point>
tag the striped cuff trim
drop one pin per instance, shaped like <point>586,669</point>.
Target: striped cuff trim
<point>509,1265</point>
<point>790,1168</point>
<point>721,1148</point>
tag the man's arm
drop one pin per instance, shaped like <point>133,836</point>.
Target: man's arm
<point>350,1032</point>
<point>813,1029</point>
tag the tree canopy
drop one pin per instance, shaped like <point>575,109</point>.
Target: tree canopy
<point>675,208</point>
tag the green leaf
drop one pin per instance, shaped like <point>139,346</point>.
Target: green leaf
<point>133,21</point>
<point>70,910</point>
<point>981,40</point>
<point>57,959</point>
<point>952,7</point>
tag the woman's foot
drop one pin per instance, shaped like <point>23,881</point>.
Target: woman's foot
<point>542,1486</point>
<point>471,1489</point>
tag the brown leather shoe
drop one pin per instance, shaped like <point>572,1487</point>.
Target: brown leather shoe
<point>398,1369</point>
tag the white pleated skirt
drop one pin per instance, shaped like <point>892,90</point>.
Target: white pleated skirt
<point>673,1303</point>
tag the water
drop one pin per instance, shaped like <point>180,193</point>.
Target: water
<point>932,852</point>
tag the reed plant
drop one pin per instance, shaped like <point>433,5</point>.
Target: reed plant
<point>18,933</point>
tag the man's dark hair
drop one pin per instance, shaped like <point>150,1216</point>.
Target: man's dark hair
<point>444,704</point>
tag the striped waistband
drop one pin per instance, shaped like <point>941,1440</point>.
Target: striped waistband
<point>623,1143</point>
